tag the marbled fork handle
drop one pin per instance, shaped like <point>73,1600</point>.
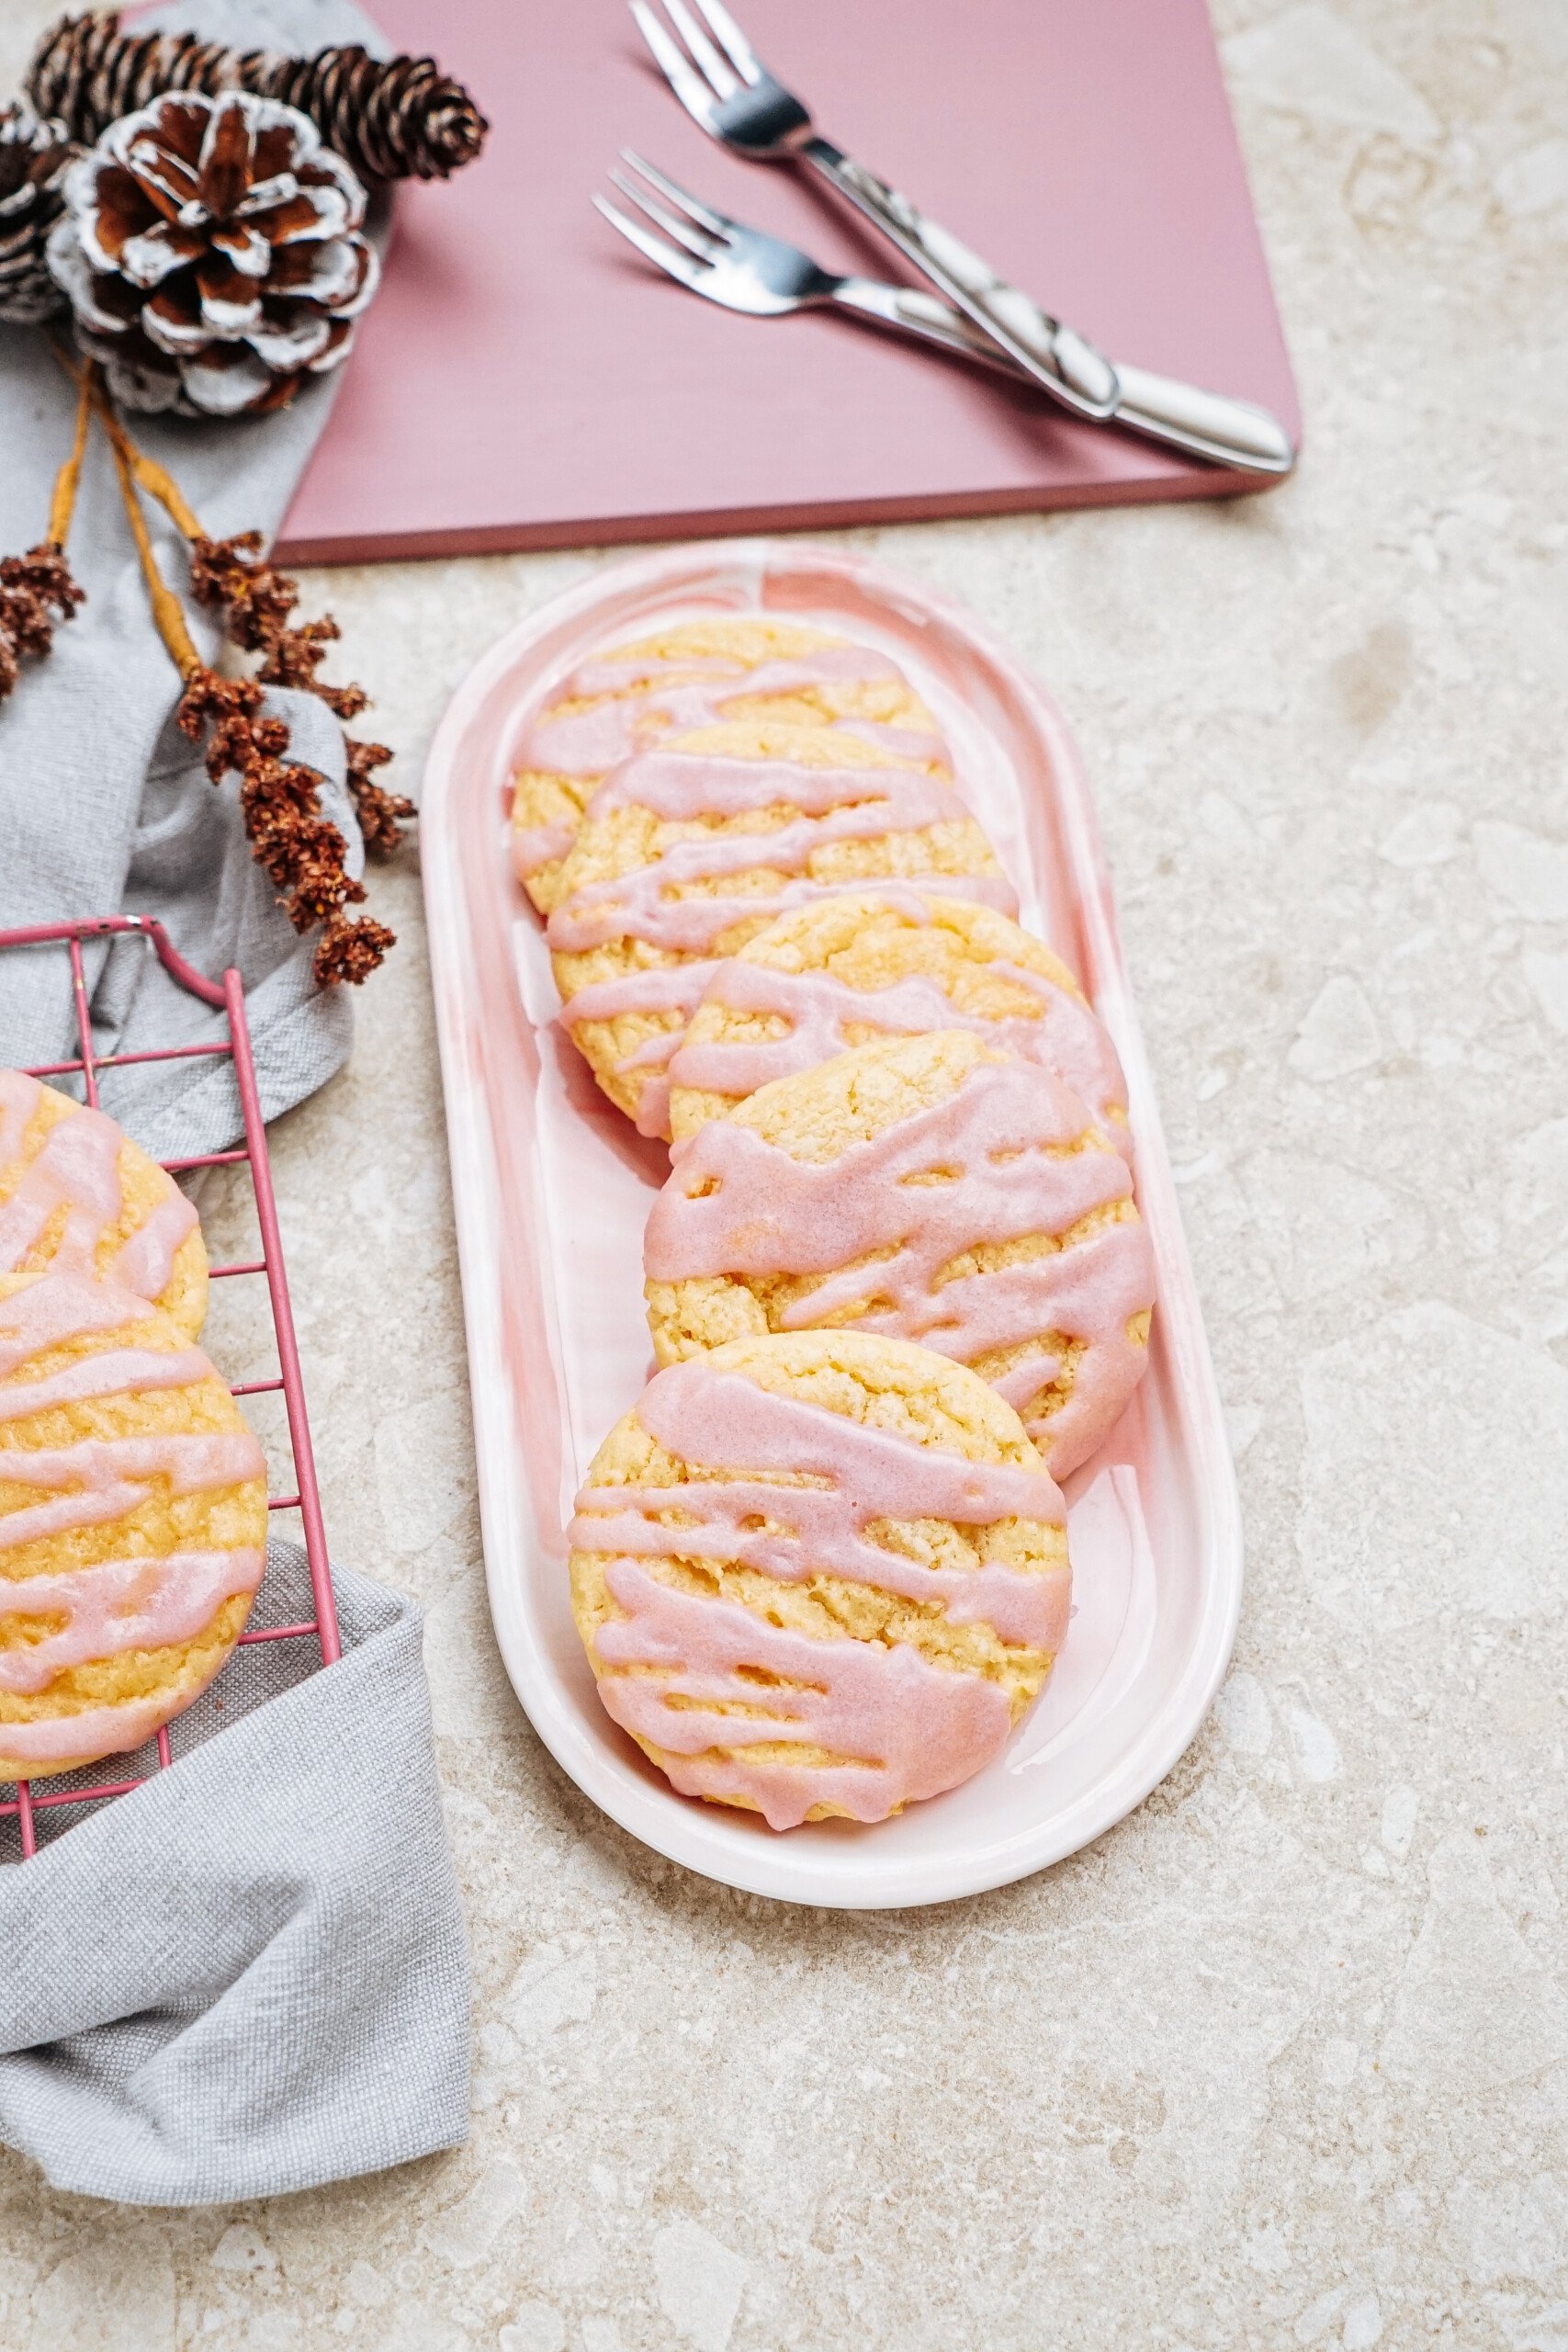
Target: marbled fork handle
<point>1080,375</point>
<point>1206,424</point>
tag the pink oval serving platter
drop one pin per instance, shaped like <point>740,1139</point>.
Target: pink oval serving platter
<point>552,1190</point>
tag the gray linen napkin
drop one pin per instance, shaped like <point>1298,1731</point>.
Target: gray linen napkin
<point>104,806</point>
<point>248,1975</point>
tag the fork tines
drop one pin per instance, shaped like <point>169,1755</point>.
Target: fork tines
<point>699,232</point>
<point>691,207</point>
<point>699,72</point>
<point>738,50</point>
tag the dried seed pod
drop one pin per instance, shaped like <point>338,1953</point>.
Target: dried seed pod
<point>232,576</point>
<point>280,802</point>
<point>350,950</point>
<point>382,814</point>
<point>36,592</point>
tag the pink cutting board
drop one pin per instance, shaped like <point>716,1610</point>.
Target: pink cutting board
<point>525,381</point>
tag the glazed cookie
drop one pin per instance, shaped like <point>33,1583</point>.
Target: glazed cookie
<point>132,1522</point>
<point>931,1189</point>
<point>694,675</point>
<point>823,1574</point>
<point>839,972</point>
<point>686,854</point>
<point>75,1189</point>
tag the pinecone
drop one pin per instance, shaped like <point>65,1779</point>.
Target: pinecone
<point>397,118</point>
<point>34,153</point>
<point>210,251</point>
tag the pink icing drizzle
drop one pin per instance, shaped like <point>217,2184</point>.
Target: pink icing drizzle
<point>107,1373</point>
<point>913,1729</point>
<point>96,1731</point>
<point>678,694</point>
<point>111,1476</point>
<point>143,1603</point>
<point>102,1477</point>
<point>919,1728</point>
<point>536,845</point>
<point>681,788</point>
<point>1065,1037</point>
<point>64,1303</point>
<point>771,1213</point>
<point>849,804</point>
<point>139,1602</point>
<point>145,1259</point>
<point>667,988</point>
<point>680,987</point>
<point>77,1167</point>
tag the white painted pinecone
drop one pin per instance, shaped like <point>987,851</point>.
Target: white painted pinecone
<point>211,252</point>
<point>34,153</point>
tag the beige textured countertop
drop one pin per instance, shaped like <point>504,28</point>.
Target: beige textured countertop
<point>1283,2060</point>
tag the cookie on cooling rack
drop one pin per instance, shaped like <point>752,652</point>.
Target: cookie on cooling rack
<point>689,850</point>
<point>694,674</point>
<point>818,1575</point>
<point>931,1189</point>
<point>75,1189</point>
<point>132,1522</point>
<point>838,972</point>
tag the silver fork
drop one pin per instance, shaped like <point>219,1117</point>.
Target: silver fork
<point>763,276</point>
<point>725,87</point>
<point>731,94</point>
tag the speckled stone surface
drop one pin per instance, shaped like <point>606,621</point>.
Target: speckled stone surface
<point>1284,2060</point>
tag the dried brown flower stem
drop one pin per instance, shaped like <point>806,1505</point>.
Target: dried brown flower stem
<point>92,399</point>
<point>256,600</point>
<point>68,481</point>
<point>281,800</point>
<point>155,478</point>
<point>167,611</point>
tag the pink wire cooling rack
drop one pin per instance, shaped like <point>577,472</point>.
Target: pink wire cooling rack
<point>229,999</point>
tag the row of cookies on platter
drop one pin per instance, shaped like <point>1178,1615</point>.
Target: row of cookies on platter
<point>897,1278</point>
<point>132,1497</point>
